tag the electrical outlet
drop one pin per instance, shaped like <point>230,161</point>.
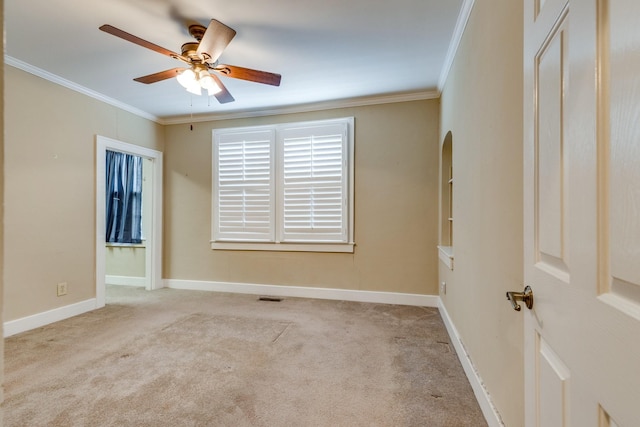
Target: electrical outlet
<point>62,289</point>
<point>443,288</point>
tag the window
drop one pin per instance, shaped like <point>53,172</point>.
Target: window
<point>123,198</point>
<point>285,187</point>
<point>244,196</point>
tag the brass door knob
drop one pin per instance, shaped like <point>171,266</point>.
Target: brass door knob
<point>526,297</point>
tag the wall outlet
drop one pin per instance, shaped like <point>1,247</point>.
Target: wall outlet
<point>443,288</point>
<point>62,289</point>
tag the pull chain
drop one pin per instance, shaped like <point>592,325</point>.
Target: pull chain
<point>191,124</point>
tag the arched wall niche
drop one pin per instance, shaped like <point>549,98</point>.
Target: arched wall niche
<point>446,193</point>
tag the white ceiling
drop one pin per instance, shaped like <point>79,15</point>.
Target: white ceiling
<point>325,50</point>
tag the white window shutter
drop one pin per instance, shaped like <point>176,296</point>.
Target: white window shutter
<point>313,183</point>
<point>244,186</point>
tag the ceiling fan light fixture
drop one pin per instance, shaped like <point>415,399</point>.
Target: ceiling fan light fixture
<point>199,57</point>
<point>189,81</point>
<point>208,83</point>
<point>186,78</point>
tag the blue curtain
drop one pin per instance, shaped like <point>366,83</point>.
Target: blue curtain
<point>123,198</point>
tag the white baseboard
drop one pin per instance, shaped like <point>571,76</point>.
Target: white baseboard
<point>482,395</point>
<point>306,292</point>
<point>17,326</point>
<point>125,280</point>
<point>38,320</point>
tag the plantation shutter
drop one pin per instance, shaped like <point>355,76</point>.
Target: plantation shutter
<point>244,186</point>
<point>313,181</point>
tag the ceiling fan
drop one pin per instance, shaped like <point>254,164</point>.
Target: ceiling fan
<point>201,58</point>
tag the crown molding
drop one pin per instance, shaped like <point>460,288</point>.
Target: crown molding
<point>461,24</point>
<point>21,65</point>
<point>301,108</point>
<point>458,32</point>
<point>305,108</point>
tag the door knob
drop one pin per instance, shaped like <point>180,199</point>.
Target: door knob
<point>526,297</point>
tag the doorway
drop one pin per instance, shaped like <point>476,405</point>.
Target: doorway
<point>153,251</point>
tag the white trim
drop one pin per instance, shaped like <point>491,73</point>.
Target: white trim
<point>125,280</point>
<point>31,69</point>
<point>153,254</point>
<point>305,108</point>
<point>284,247</point>
<point>124,147</point>
<point>306,292</point>
<point>445,253</point>
<point>17,326</point>
<point>458,32</point>
<point>489,410</point>
<point>126,245</point>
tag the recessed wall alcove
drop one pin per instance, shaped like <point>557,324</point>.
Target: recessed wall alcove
<point>445,249</point>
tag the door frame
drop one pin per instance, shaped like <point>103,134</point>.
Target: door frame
<point>153,257</point>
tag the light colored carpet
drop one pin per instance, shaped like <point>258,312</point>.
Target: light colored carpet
<point>189,358</point>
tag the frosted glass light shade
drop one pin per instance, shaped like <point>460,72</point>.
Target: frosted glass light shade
<point>186,78</point>
<point>189,81</point>
<point>207,82</point>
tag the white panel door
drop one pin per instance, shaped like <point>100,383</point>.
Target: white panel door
<point>582,212</point>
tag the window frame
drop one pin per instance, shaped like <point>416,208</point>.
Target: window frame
<point>277,243</point>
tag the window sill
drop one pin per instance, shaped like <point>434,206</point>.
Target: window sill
<point>125,245</point>
<point>446,255</point>
<point>284,247</point>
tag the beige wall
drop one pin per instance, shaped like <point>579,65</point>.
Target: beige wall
<point>482,107</point>
<point>396,212</point>
<point>127,261</point>
<point>1,211</point>
<point>50,188</point>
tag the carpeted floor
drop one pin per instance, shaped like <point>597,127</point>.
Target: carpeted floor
<point>189,358</point>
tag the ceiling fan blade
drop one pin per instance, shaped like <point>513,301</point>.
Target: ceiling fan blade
<point>137,40</point>
<point>162,75</point>
<point>215,39</point>
<point>223,96</point>
<point>249,74</point>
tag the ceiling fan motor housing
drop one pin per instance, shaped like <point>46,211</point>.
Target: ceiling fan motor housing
<point>197,31</point>
<point>189,50</point>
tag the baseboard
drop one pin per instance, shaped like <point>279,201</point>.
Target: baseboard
<point>38,320</point>
<point>125,280</point>
<point>306,292</point>
<point>482,395</point>
<point>17,326</point>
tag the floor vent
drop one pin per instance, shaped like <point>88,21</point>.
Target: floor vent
<point>272,299</point>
